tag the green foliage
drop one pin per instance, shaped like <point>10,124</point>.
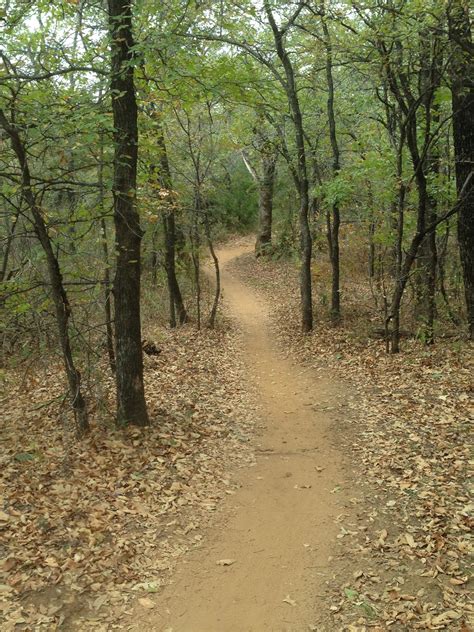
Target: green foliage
<point>208,80</point>
<point>338,191</point>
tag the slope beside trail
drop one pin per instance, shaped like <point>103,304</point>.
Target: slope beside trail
<point>278,531</point>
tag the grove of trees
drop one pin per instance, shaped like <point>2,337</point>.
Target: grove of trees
<point>133,135</point>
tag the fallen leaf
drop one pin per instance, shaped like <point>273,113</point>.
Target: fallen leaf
<point>289,601</point>
<point>410,540</point>
<point>146,603</point>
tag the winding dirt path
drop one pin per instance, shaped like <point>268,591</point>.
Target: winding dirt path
<point>280,526</point>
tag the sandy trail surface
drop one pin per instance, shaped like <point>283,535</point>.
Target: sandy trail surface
<point>278,531</point>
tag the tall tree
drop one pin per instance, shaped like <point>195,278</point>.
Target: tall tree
<point>290,86</point>
<point>427,256</point>
<point>462,94</point>
<point>131,405</point>
<point>264,177</point>
<point>58,291</point>
<point>176,303</point>
<point>333,216</point>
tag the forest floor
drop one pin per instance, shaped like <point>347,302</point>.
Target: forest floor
<point>288,482</point>
<point>264,563</point>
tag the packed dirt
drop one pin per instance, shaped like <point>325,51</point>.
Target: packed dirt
<point>264,563</point>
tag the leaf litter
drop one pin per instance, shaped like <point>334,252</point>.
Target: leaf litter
<point>88,527</point>
<point>404,560</point>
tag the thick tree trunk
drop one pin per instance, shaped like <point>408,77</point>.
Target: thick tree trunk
<point>131,406</point>
<point>462,91</point>
<point>58,291</point>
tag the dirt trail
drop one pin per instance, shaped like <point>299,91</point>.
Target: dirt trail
<point>280,525</point>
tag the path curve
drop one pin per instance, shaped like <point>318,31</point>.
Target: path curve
<point>280,526</point>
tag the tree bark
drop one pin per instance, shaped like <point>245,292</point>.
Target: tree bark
<point>169,230</point>
<point>303,181</point>
<point>265,205</point>
<point>426,281</point>
<point>60,297</point>
<point>409,108</point>
<point>8,245</point>
<point>131,406</point>
<point>265,181</point>
<point>108,293</point>
<point>442,249</point>
<point>420,234</point>
<point>462,94</point>
<point>334,222</point>
<point>217,293</point>
<point>427,257</point>
<point>195,254</point>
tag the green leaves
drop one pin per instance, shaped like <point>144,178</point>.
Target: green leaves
<point>337,190</point>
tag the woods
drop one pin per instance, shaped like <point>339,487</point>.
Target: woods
<point>391,150</point>
<point>139,139</point>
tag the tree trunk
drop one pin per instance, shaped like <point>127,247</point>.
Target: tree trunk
<point>217,294</point>
<point>425,309</point>
<point>265,181</point>
<point>169,229</point>
<point>195,250</point>
<point>462,91</point>
<point>265,205</point>
<point>154,256</point>
<point>427,257</point>
<point>371,248</point>
<point>302,173</point>
<point>335,222</point>
<point>60,298</point>
<point>131,406</point>
<point>410,256</point>
<point>409,107</point>
<point>169,264</point>
<point>442,250</point>
<point>8,245</point>
<point>108,294</point>
<point>398,247</point>
<point>197,277</point>
<point>176,299</point>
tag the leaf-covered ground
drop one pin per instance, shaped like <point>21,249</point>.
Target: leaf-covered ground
<point>404,546</point>
<point>87,528</point>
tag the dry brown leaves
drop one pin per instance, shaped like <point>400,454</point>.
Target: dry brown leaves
<point>404,562</point>
<point>83,530</point>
